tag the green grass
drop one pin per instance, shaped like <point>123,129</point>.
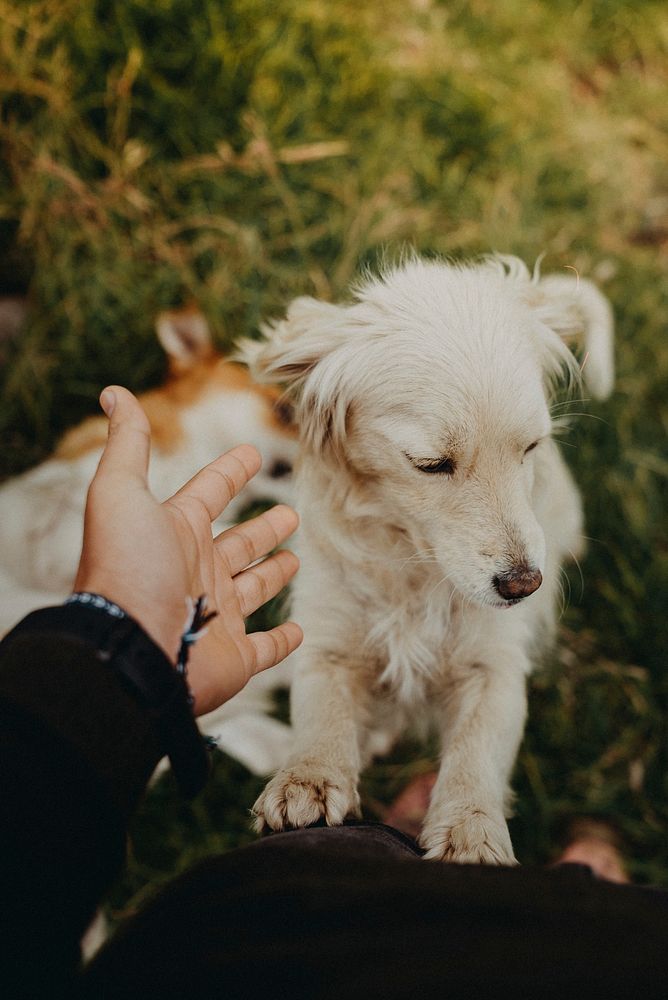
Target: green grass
<point>241,153</point>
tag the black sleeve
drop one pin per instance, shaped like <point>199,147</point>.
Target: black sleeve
<point>76,751</point>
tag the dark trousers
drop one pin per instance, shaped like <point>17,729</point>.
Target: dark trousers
<point>354,912</point>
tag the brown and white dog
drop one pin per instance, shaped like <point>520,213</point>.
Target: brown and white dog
<point>207,405</point>
<point>436,512</point>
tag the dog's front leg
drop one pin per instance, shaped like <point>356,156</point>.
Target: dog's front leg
<point>319,781</point>
<point>483,715</point>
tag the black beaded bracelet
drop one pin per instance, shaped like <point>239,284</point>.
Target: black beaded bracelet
<point>122,645</point>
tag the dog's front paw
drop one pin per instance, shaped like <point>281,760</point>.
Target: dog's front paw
<point>305,793</point>
<point>474,836</point>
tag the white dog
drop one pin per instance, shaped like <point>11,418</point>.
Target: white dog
<point>436,511</point>
<point>206,406</point>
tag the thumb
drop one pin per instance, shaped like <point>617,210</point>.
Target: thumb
<point>129,440</point>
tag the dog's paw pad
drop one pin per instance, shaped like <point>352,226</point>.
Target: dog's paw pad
<point>300,796</point>
<point>476,838</point>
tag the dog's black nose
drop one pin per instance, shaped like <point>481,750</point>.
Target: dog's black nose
<point>518,583</point>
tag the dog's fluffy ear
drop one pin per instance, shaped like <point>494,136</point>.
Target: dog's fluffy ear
<point>582,316</point>
<point>294,353</point>
<point>185,337</point>
<point>292,347</point>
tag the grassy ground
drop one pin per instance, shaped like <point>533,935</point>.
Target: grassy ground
<point>240,153</point>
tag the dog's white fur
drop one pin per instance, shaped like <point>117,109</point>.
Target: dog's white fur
<point>206,407</point>
<point>396,593</point>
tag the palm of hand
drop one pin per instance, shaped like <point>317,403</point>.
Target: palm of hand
<point>224,640</point>
<point>150,558</point>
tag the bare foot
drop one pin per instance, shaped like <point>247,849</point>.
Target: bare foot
<point>595,844</point>
<point>409,809</point>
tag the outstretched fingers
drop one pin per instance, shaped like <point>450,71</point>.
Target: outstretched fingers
<point>255,586</point>
<point>219,482</point>
<point>269,648</point>
<point>245,543</point>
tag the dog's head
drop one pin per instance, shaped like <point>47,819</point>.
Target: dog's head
<point>210,400</point>
<point>433,389</point>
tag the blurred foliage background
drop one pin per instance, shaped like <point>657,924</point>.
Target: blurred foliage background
<point>238,153</point>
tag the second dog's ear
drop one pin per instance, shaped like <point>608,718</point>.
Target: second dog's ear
<point>582,316</point>
<point>185,337</point>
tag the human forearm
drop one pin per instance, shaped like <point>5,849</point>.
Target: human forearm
<point>77,749</point>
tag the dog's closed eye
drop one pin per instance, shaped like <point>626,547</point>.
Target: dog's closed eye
<point>531,447</point>
<point>447,466</point>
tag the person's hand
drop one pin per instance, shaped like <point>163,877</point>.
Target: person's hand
<point>149,557</point>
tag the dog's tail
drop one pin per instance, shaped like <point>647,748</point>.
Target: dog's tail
<point>575,309</point>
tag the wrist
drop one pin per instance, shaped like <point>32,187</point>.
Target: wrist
<point>162,623</point>
<point>121,645</point>
<point>124,646</point>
